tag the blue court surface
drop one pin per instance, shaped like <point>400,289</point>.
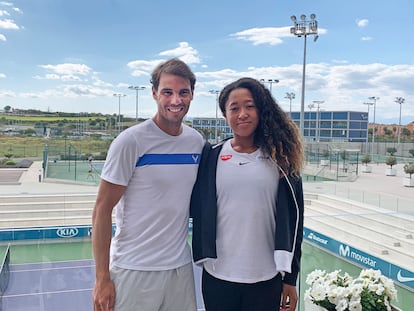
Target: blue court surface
<point>63,286</point>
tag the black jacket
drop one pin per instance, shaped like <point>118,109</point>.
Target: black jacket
<point>289,218</point>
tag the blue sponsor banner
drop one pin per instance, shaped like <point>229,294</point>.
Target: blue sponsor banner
<point>45,233</point>
<point>361,258</point>
<point>403,276</point>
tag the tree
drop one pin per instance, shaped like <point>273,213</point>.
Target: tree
<point>406,132</point>
<point>7,108</point>
<point>409,169</point>
<point>366,159</point>
<point>391,150</point>
<point>391,160</point>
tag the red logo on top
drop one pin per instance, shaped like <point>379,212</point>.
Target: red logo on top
<point>225,157</point>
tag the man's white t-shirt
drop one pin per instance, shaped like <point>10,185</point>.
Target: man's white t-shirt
<point>159,171</point>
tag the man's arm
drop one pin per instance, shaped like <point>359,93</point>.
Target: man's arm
<point>104,290</point>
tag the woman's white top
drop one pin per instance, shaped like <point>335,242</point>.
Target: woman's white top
<point>246,194</point>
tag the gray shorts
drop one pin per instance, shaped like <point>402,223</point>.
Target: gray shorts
<point>168,290</point>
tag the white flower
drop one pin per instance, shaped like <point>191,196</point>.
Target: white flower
<point>355,305</point>
<point>340,292</point>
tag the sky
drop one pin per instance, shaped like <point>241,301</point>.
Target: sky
<point>73,56</point>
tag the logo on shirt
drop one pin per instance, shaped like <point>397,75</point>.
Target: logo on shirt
<point>225,157</point>
<point>195,158</point>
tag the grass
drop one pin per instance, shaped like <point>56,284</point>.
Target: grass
<point>33,147</point>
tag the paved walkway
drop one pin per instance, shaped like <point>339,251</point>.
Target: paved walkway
<point>26,181</point>
<point>375,182</point>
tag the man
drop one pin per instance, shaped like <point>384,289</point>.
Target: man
<point>148,176</point>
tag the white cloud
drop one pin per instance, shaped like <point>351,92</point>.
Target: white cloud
<point>366,38</point>
<point>50,76</point>
<point>6,3</point>
<point>69,91</point>
<point>70,78</point>
<point>53,76</point>
<point>8,24</point>
<point>267,35</point>
<point>17,10</point>
<point>361,23</point>
<point>3,37</point>
<point>185,52</point>
<point>4,13</point>
<point>2,75</point>
<point>142,67</point>
<point>98,82</point>
<point>7,94</point>
<point>68,69</point>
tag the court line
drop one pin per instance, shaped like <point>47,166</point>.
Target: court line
<point>52,268</point>
<point>51,264</point>
<point>49,293</point>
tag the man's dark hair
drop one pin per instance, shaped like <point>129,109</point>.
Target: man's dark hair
<point>175,67</point>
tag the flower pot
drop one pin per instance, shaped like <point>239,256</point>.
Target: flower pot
<point>367,169</point>
<point>408,182</point>
<point>390,171</point>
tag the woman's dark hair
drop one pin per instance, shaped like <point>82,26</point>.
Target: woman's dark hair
<point>276,133</point>
<point>175,67</point>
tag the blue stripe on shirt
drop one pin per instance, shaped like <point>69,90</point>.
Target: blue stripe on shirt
<point>163,159</point>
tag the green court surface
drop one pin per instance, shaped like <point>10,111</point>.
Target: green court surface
<point>47,252</point>
<point>76,171</point>
<point>2,251</point>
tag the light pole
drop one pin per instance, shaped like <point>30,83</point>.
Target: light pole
<point>399,100</point>
<point>364,117</point>
<point>217,92</point>
<point>374,98</point>
<point>270,81</point>
<point>290,96</point>
<point>311,106</point>
<point>137,89</point>
<point>299,29</point>
<point>318,103</point>
<point>119,110</point>
<point>368,104</point>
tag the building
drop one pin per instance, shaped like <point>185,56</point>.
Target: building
<point>327,126</point>
<point>334,126</point>
<point>207,126</point>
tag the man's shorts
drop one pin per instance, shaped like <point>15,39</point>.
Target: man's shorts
<point>168,290</point>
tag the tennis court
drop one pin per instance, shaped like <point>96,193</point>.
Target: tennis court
<point>54,276</point>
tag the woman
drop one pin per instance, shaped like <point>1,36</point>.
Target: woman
<point>247,205</point>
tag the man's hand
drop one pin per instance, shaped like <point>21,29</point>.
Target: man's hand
<point>289,297</point>
<point>104,295</point>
